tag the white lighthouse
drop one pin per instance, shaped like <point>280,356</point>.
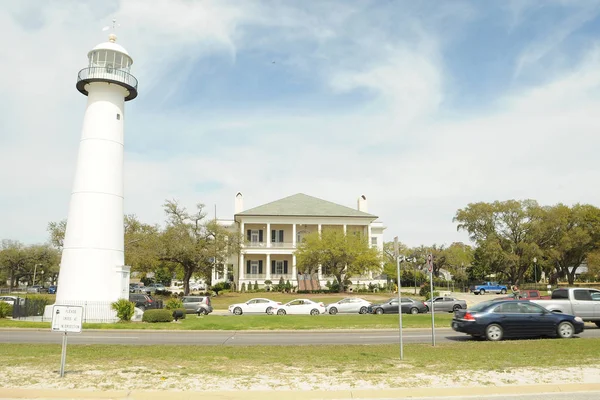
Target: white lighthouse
<point>92,270</point>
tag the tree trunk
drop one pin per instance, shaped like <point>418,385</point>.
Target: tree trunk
<point>340,279</point>
<point>187,274</point>
<point>571,275</point>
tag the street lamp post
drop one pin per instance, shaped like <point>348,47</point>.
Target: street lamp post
<point>535,270</point>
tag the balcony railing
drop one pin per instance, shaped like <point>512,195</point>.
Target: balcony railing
<point>274,277</point>
<point>107,74</point>
<point>285,245</point>
<point>278,245</point>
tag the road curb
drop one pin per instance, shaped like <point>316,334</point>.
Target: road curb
<point>9,329</point>
<point>398,393</point>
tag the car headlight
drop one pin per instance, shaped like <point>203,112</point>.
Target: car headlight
<point>579,319</point>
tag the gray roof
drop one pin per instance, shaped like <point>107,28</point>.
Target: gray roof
<point>305,206</point>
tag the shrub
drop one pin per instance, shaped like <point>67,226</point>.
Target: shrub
<point>220,286</point>
<point>6,310</point>
<point>158,316</point>
<point>124,309</point>
<point>255,285</point>
<point>243,287</point>
<point>281,284</point>
<point>425,291</point>
<point>173,304</point>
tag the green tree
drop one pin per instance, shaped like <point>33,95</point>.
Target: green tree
<point>507,234</point>
<point>389,260</point>
<point>570,235</point>
<point>21,263</point>
<point>340,254</point>
<point>142,246</point>
<point>195,244</point>
<point>13,259</point>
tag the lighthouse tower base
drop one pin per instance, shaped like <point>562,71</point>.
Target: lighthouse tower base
<point>96,310</point>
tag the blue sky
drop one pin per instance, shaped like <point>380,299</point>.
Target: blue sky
<point>423,107</point>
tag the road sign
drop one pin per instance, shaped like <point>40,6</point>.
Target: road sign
<point>67,319</point>
<point>429,263</point>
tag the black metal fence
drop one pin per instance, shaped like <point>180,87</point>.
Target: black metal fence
<point>35,309</point>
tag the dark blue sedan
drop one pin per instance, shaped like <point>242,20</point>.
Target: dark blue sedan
<point>496,320</point>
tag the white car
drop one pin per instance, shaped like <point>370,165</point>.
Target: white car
<point>349,305</point>
<point>254,306</point>
<point>300,306</point>
<point>12,300</point>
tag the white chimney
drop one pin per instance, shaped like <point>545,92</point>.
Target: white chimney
<point>239,203</point>
<point>362,204</point>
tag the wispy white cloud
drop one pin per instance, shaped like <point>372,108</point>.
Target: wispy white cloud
<point>394,141</point>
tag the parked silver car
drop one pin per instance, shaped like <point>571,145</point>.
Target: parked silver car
<point>197,304</point>
<point>349,305</point>
<point>447,304</point>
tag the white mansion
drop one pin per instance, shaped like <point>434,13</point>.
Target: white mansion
<point>273,230</point>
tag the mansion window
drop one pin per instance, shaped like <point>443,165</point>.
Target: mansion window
<point>279,267</point>
<point>254,235</point>
<point>277,236</point>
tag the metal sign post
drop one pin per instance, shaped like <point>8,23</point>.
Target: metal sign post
<point>430,269</point>
<point>66,319</point>
<point>397,255</point>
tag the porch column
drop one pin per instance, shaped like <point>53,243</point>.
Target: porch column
<point>241,269</point>
<point>369,233</point>
<point>268,267</point>
<point>268,234</point>
<point>344,229</point>
<point>294,269</point>
<point>294,239</point>
<point>244,236</point>
<point>320,273</point>
<point>319,228</point>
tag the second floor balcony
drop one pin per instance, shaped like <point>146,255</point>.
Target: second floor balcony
<point>277,245</point>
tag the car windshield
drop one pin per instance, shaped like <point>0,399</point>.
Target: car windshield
<point>481,306</point>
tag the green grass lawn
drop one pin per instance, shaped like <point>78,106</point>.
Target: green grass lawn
<point>370,359</point>
<point>267,322</point>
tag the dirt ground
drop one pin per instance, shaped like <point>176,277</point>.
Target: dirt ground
<point>147,378</point>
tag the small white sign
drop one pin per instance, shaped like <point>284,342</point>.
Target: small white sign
<point>67,319</point>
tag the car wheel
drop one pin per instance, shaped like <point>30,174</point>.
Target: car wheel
<point>269,310</point>
<point>379,311</point>
<point>503,291</point>
<point>237,311</point>
<point>280,312</point>
<point>565,330</point>
<point>414,310</point>
<point>494,332</point>
<point>481,291</point>
<point>363,310</point>
<point>333,311</point>
<point>456,308</point>
<point>597,324</point>
<point>201,311</point>
<point>314,311</point>
<point>426,308</point>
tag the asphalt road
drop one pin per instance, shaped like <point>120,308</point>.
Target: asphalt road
<point>241,338</point>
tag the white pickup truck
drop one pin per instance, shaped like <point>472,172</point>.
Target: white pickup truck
<point>582,302</point>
